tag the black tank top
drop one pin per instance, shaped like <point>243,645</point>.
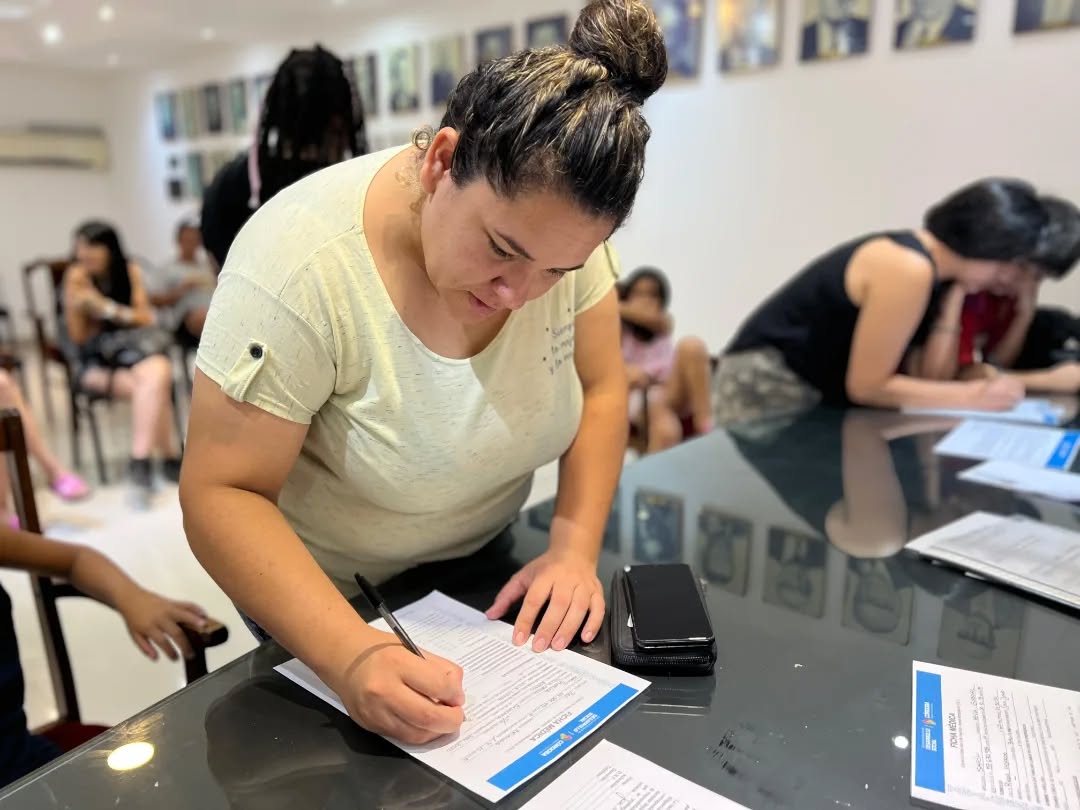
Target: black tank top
<point>811,320</point>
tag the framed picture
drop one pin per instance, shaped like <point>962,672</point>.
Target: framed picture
<point>165,114</point>
<point>404,79</point>
<point>195,174</point>
<point>835,29</point>
<point>174,188</point>
<point>795,572</point>
<point>189,113</point>
<point>724,541</point>
<point>211,100</point>
<point>494,43</point>
<point>925,23</point>
<point>447,61</point>
<point>1045,15</point>
<point>682,21</point>
<point>260,86</point>
<point>548,31</point>
<point>238,106</point>
<point>365,79</point>
<point>749,34</point>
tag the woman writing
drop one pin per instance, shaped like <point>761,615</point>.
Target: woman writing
<point>399,341</point>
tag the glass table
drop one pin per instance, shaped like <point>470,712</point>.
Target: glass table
<point>797,532</point>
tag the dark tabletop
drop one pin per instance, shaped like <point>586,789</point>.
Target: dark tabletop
<point>796,530</point>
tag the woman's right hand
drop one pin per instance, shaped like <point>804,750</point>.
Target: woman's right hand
<point>390,691</point>
<point>999,393</point>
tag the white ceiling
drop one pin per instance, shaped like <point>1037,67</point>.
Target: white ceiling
<point>149,33</point>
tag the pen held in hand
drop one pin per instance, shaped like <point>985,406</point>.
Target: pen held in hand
<point>377,602</point>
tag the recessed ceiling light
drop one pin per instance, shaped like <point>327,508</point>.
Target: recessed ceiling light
<point>113,59</point>
<point>52,34</point>
<point>208,33</point>
<point>14,11</point>
<point>106,13</point>
<point>338,2</point>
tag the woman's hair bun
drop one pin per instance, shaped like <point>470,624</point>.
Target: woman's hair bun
<point>625,37</point>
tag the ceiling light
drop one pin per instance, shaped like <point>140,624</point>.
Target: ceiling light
<point>208,33</point>
<point>52,34</point>
<point>113,59</point>
<point>338,2</point>
<point>13,11</point>
<point>106,13</point>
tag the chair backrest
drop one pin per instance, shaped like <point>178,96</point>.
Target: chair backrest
<point>46,316</point>
<point>46,591</point>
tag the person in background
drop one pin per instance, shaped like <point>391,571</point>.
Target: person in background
<point>181,289</point>
<point>399,342</point>
<point>859,323</point>
<point>62,481</point>
<point>117,350</point>
<point>674,377</point>
<point>154,623</point>
<point>310,119</point>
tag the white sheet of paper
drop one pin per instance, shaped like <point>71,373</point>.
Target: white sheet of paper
<point>523,710</point>
<point>1027,411</point>
<point>1021,552</point>
<point>612,778</point>
<point>981,741</point>
<point>1060,486</point>
<point>1046,448</point>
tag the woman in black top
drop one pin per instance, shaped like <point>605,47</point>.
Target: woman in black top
<point>847,327</point>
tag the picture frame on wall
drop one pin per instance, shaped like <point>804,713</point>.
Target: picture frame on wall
<point>835,29</point>
<point>1046,15</point>
<point>260,87</point>
<point>928,23</point>
<point>494,43</point>
<point>189,113</point>
<point>165,114</point>
<point>195,174</point>
<point>365,79</point>
<point>211,108</point>
<point>404,70</point>
<point>447,61</point>
<point>682,23</point>
<point>238,106</point>
<point>548,31</point>
<point>749,32</point>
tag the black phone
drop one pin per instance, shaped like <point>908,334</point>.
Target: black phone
<point>666,607</point>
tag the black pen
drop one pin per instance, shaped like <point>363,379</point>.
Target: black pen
<point>377,602</point>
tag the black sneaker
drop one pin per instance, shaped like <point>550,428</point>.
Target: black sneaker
<point>170,468</point>
<point>142,482</point>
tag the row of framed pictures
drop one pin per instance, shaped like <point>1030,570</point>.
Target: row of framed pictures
<point>213,109</point>
<point>750,30</point>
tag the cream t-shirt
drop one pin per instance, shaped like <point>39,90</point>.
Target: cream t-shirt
<point>410,457</point>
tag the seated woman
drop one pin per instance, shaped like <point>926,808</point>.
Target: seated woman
<point>985,334</point>
<point>674,376</point>
<point>119,352</point>
<point>848,328</point>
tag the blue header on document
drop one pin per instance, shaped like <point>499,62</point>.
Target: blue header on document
<point>1065,454</point>
<point>929,752</point>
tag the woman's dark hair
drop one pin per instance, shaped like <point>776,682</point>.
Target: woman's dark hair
<point>993,219</point>
<point>565,118</point>
<point>312,118</point>
<point>117,281</point>
<point>1058,248</point>
<point>626,286</point>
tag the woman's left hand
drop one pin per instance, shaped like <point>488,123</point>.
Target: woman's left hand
<point>567,581</point>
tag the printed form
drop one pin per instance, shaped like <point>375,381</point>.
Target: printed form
<point>1048,448</point>
<point>1027,411</point>
<point>523,710</point>
<point>981,741</point>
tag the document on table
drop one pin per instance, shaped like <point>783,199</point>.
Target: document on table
<point>1027,411</point>
<point>1046,448</point>
<point>981,741</point>
<point>1018,551</point>
<point>612,778</point>
<point>523,710</point>
<point>1060,486</point>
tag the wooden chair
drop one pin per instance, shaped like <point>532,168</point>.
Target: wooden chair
<point>10,360</point>
<point>68,730</point>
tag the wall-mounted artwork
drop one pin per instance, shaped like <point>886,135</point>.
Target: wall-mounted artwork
<point>165,114</point>
<point>749,34</point>
<point>925,23</point>
<point>261,86</point>
<point>365,79</point>
<point>174,189</point>
<point>195,174</point>
<point>211,108</point>
<point>494,43</point>
<point>835,29</point>
<point>1046,15</point>
<point>681,21</point>
<point>404,69</point>
<point>447,60</point>
<point>548,31</point>
<point>238,106</point>
<point>189,113</point>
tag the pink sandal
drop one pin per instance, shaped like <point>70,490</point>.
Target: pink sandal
<point>70,487</point>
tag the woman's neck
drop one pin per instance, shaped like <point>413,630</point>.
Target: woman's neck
<point>945,260</point>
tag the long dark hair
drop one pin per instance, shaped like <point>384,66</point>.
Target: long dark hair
<point>312,118</point>
<point>117,282</point>
<point>625,287</point>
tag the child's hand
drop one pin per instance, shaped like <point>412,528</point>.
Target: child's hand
<point>154,620</point>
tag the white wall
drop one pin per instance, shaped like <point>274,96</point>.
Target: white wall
<point>39,207</point>
<point>748,177</point>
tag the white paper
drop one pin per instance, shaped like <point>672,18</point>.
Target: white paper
<point>1046,448</point>
<point>1018,551</point>
<point>1027,411</point>
<point>1060,486</point>
<point>980,741</point>
<point>612,778</point>
<point>523,710</point>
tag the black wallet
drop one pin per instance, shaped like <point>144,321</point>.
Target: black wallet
<point>626,654</point>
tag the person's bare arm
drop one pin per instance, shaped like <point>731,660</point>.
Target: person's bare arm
<point>142,311</point>
<point>939,359</point>
<point>646,316</point>
<point>1061,379</point>
<point>85,304</point>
